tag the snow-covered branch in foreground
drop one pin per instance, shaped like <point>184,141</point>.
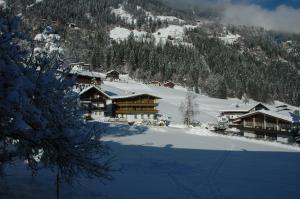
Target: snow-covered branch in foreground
<point>40,121</point>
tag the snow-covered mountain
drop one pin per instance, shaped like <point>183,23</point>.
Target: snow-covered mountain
<point>152,41</point>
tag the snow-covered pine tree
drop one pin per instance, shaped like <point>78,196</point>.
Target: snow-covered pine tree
<point>39,116</point>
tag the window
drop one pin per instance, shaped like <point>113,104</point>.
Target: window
<point>135,116</point>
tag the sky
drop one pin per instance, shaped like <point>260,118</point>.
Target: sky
<point>279,15</point>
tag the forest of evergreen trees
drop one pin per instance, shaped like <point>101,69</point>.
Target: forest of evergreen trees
<point>259,65</point>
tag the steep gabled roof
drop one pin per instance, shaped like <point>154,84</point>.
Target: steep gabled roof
<point>112,71</point>
<point>95,87</point>
<point>245,108</point>
<point>117,96</point>
<point>86,73</point>
<point>269,113</point>
<point>134,95</point>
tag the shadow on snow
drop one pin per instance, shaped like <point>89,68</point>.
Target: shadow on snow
<point>117,129</point>
<point>168,172</point>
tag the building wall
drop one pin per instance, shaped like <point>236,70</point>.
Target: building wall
<point>136,117</point>
<point>96,115</point>
<point>249,134</point>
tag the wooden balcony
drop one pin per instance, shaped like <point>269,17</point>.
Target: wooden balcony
<point>269,129</point>
<point>92,100</point>
<point>136,104</point>
<point>136,111</point>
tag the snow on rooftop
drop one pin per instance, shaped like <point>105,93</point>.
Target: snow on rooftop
<point>133,95</point>
<point>96,87</point>
<point>87,73</point>
<point>280,115</point>
<point>242,107</point>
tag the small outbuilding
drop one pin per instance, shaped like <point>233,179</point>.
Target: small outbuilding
<point>169,84</point>
<point>155,83</point>
<point>113,75</point>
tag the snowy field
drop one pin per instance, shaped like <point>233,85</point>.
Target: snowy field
<point>169,106</point>
<point>174,162</point>
<point>165,162</point>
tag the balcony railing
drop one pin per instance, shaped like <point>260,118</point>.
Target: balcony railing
<point>91,100</point>
<point>135,104</point>
<point>135,111</point>
<point>260,127</point>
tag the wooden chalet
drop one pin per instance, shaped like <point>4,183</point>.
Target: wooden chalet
<point>169,84</point>
<point>234,113</point>
<point>98,104</point>
<point>136,106</point>
<point>81,66</point>
<point>266,125</point>
<point>113,75</point>
<point>155,83</point>
<point>94,102</point>
<point>85,77</point>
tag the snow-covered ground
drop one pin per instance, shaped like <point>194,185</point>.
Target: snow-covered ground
<point>120,34</point>
<point>209,108</point>
<point>123,14</point>
<point>165,162</point>
<point>174,162</point>
<point>176,33</point>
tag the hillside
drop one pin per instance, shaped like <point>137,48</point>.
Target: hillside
<point>152,41</point>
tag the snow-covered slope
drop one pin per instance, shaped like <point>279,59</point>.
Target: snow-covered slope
<point>123,14</point>
<point>168,162</point>
<point>120,34</point>
<point>174,33</point>
<point>169,105</point>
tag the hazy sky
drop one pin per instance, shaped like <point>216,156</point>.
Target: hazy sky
<point>281,15</point>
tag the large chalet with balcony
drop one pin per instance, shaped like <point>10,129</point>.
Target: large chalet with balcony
<point>260,122</point>
<point>84,75</point>
<point>234,113</point>
<point>135,107</point>
<point>98,104</point>
<point>265,124</point>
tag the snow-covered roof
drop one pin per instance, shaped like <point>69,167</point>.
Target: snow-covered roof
<point>112,97</point>
<point>112,71</point>
<point>134,95</point>
<point>95,87</point>
<point>281,116</point>
<point>244,108</point>
<point>87,73</point>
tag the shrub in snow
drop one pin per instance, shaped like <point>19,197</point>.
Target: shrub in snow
<point>40,120</point>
